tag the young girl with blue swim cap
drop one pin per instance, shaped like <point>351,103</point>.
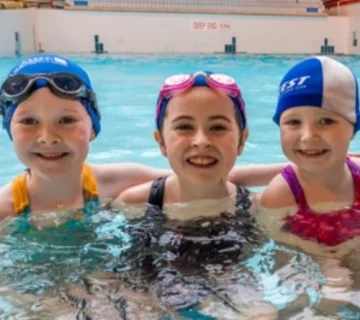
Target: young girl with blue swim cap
<point>51,114</point>
<point>314,203</point>
<point>318,115</point>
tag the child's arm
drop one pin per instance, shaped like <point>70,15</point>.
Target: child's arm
<point>255,174</point>
<point>6,203</point>
<point>113,179</point>
<point>273,206</point>
<point>354,155</point>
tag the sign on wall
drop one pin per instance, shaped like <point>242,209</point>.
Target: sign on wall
<point>210,25</point>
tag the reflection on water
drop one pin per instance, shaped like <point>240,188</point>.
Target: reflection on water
<point>68,272</point>
<point>38,261</point>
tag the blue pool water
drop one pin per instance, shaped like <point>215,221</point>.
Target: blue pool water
<point>127,88</point>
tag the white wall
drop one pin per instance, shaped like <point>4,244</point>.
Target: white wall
<point>22,21</point>
<point>353,12</point>
<point>66,31</point>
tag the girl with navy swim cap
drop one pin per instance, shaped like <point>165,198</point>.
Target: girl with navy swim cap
<point>314,203</point>
<point>50,113</point>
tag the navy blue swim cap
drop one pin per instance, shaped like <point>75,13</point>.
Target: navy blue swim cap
<point>49,64</point>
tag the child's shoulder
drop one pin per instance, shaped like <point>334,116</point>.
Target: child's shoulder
<point>6,201</point>
<point>277,194</point>
<point>135,195</point>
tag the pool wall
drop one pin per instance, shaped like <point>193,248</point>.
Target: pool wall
<point>353,12</point>
<point>71,31</point>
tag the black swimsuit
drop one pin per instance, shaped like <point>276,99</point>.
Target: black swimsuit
<point>157,191</point>
<point>172,255</point>
<point>199,241</point>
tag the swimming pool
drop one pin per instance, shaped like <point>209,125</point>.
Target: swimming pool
<point>127,88</point>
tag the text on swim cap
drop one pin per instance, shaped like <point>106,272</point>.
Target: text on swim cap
<point>43,59</point>
<point>294,84</point>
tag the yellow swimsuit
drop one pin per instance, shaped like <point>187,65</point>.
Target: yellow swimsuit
<point>21,198</point>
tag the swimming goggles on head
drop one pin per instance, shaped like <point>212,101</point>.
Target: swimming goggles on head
<point>17,88</point>
<point>177,84</point>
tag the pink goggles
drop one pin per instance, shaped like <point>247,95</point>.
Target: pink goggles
<point>179,83</point>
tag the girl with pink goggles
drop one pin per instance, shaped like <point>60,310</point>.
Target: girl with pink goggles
<point>179,83</point>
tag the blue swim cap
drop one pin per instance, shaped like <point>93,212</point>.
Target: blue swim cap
<point>320,82</point>
<point>46,64</point>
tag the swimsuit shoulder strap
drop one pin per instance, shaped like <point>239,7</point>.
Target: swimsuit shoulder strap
<point>157,191</point>
<point>89,184</point>
<point>243,201</point>
<point>355,172</point>
<point>20,195</point>
<point>290,177</point>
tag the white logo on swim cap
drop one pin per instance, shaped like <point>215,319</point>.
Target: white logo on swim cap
<point>42,59</point>
<point>60,61</point>
<point>294,84</point>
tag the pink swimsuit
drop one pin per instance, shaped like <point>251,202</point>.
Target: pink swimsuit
<point>332,228</point>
